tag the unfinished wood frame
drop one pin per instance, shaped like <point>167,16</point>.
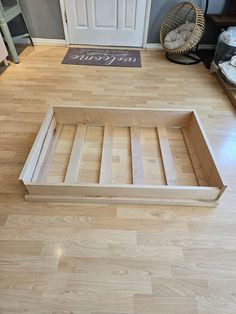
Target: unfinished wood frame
<point>210,185</point>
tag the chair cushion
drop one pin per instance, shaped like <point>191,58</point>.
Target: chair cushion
<point>178,36</point>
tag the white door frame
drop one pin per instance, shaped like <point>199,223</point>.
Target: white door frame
<point>146,22</point>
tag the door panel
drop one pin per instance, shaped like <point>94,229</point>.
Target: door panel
<point>106,22</point>
<point>106,17</point>
<point>81,13</point>
<point>130,13</point>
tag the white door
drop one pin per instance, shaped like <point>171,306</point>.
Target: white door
<point>106,22</point>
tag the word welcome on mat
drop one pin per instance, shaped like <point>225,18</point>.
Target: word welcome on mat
<point>103,57</point>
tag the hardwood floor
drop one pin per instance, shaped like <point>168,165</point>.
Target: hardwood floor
<point>108,259</point>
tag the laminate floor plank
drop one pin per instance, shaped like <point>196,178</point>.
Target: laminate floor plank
<point>113,259</point>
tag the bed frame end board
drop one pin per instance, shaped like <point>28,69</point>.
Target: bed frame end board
<point>31,162</point>
<point>118,116</point>
<point>205,153</point>
<point>125,190</point>
<point>119,200</point>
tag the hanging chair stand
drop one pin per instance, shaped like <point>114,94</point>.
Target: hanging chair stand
<point>189,58</point>
<point>182,13</point>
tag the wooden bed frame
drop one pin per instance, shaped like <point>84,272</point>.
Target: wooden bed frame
<point>202,159</point>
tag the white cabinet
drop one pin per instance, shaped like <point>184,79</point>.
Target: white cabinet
<point>3,51</point>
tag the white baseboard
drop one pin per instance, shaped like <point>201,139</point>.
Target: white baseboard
<point>159,46</point>
<point>62,42</point>
<point>154,46</point>
<point>41,41</point>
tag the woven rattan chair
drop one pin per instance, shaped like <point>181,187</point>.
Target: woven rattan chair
<point>182,13</point>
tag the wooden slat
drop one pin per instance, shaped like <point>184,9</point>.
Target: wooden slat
<point>167,158</point>
<point>76,154</point>
<point>194,160</point>
<point>45,149</point>
<point>48,159</point>
<point>137,164</point>
<point>106,162</point>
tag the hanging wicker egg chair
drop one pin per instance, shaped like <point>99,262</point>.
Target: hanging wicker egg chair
<point>181,31</point>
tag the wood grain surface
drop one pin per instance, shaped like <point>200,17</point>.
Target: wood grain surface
<point>113,259</point>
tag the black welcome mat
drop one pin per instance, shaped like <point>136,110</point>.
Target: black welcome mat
<point>103,57</point>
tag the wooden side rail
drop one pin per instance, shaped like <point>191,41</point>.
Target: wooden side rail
<point>48,159</point>
<point>168,163</point>
<point>76,155</point>
<point>204,153</point>
<point>44,151</point>
<point>193,158</point>
<point>31,162</point>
